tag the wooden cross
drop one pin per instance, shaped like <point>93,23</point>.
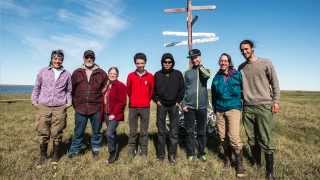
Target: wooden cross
<point>190,19</point>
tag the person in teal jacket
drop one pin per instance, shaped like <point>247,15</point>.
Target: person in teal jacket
<point>226,100</point>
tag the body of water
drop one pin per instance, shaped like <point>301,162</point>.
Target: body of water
<point>15,89</point>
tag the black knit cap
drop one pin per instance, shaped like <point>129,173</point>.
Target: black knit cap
<point>194,53</point>
<point>167,56</point>
<point>89,53</point>
<point>140,55</point>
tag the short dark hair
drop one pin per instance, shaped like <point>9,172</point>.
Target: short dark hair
<point>58,52</point>
<point>140,55</point>
<point>229,59</point>
<point>115,68</point>
<point>247,41</point>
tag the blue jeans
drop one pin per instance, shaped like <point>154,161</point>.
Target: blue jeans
<point>79,129</point>
<point>111,135</point>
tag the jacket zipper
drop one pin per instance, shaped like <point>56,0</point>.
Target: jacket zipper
<point>197,88</point>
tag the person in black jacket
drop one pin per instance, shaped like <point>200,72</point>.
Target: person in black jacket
<point>168,93</point>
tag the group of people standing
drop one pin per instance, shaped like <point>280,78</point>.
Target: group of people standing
<point>250,94</point>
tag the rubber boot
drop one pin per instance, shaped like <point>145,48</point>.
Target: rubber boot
<point>256,155</point>
<point>43,155</point>
<point>269,166</point>
<point>56,154</point>
<point>240,171</point>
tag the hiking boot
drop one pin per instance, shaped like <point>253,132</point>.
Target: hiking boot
<point>112,157</point>
<point>269,166</point>
<point>240,171</point>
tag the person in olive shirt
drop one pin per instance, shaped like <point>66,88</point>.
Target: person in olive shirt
<point>168,93</point>
<point>261,95</point>
<point>194,105</point>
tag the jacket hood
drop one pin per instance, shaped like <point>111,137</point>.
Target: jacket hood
<point>163,58</point>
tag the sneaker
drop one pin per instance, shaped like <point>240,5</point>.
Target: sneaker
<point>72,155</point>
<point>191,158</point>
<point>203,158</point>
<point>172,160</point>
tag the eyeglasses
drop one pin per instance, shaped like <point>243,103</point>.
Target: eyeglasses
<point>167,62</point>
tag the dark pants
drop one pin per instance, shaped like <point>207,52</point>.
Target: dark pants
<point>200,116</point>
<point>79,130</point>
<point>134,114</point>
<point>163,132</point>
<point>111,134</point>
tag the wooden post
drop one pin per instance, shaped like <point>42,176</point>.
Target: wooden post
<point>189,26</point>
<point>190,21</point>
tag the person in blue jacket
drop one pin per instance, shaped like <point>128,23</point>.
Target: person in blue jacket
<point>226,100</point>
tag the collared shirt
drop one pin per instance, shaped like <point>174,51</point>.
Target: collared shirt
<point>50,92</point>
<point>87,95</point>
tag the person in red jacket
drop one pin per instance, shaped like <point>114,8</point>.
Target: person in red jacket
<point>140,85</point>
<point>114,103</point>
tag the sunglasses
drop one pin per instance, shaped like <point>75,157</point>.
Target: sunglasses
<point>89,57</point>
<point>167,62</point>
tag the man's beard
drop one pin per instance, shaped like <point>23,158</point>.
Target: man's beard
<point>89,65</point>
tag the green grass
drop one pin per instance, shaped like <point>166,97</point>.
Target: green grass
<point>297,137</point>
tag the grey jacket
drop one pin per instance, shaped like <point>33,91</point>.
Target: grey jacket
<point>196,93</point>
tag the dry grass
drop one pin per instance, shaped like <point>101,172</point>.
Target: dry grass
<point>297,156</point>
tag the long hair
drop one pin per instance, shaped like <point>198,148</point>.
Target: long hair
<point>229,60</point>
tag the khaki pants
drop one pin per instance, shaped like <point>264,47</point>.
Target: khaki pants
<point>228,124</point>
<point>50,122</point>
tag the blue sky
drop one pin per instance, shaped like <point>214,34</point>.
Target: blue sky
<point>285,31</point>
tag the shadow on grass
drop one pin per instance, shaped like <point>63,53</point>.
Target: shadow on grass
<point>123,138</point>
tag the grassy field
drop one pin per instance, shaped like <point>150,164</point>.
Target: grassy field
<point>297,137</point>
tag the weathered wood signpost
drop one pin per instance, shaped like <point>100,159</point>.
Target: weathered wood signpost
<point>205,37</point>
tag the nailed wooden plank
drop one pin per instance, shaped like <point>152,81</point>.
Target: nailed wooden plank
<point>175,10</point>
<point>194,34</point>
<point>194,20</point>
<point>194,41</point>
<point>209,7</point>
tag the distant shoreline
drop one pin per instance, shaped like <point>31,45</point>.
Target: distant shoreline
<point>15,89</point>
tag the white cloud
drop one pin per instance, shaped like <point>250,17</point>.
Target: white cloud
<point>91,25</point>
<point>73,46</point>
<point>99,18</point>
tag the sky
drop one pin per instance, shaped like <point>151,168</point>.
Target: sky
<point>284,31</point>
